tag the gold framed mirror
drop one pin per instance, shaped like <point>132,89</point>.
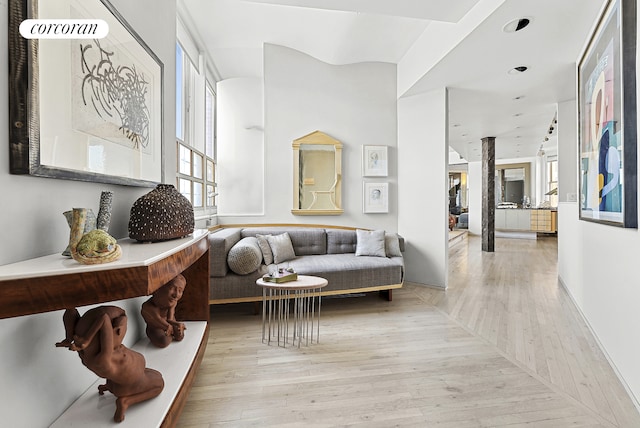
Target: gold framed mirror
<point>317,175</point>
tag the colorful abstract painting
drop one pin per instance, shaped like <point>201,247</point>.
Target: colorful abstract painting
<point>607,139</point>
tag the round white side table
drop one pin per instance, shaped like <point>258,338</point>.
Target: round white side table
<point>276,307</point>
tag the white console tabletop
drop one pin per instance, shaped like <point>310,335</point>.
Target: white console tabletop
<point>134,254</point>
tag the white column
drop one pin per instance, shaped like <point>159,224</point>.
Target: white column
<point>423,197</point>
<point>475,197</point>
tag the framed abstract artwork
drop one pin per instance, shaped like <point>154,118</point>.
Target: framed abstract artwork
<point>84,109</point>
<point>375,198</point>
<point>374,161</point>
<point>607,119</point>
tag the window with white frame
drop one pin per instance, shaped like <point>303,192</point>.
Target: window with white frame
<point>210,145</point>
<point>195,135</point>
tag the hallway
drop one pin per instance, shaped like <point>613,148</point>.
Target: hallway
<point>513,300</point>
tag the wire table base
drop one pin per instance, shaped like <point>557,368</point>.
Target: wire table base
<point>291,311</point>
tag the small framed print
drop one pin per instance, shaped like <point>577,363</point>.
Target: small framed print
<point>375,198</point>
<point>374,161</point>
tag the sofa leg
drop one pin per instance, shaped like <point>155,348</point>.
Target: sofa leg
<point>257,308</point>
<point>387,294</point>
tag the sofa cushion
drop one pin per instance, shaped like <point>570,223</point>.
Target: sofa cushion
<point>306,241</point>
<point>281,247</point>
<point>341,241</point>
<point>245,256</point>
<point>344,271</point>
<point>370,243</point>
<point>392,245</point>
<point>263,243</point>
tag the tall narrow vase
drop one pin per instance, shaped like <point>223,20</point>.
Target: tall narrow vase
<point>89,225</point>
<point>78,222</point>
<point>104,213</point>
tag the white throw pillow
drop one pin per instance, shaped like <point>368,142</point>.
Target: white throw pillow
<point>392,245</point>
<point>267,255</point>
<point>370,243</point>
<point>281,247</point>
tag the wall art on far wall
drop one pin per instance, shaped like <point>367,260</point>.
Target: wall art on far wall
<point>84,109</point>
<point>607,119</point>
<point>375,198</point>
<point>374,161</point>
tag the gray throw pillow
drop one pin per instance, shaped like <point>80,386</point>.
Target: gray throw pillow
<point>370,243</point>
<point>245,256</point>
<point>392,245</point>
<point>281,247</point>
<point>267,255</point>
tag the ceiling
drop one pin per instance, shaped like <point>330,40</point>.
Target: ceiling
<point>485,100</point>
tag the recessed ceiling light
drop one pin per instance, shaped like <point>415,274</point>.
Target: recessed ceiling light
<point>519,97</point>
<point>517,70</point>
<point>518,114</point>
<point>516,25</point>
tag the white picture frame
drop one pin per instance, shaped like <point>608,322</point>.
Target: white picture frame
<point>375,161</point>
<point>375,198</point>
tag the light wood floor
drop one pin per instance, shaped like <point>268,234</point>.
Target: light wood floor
<point>502,347</point>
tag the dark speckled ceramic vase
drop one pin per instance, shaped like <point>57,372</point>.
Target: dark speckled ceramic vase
<point>160,215</point>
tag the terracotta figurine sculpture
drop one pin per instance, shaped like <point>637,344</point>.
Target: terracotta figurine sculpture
<point>160,313</point>
<point>97,336</point>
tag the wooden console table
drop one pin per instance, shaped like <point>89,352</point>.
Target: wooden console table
<point>55,282</point>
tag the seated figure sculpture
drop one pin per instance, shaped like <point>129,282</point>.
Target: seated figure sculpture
<point>97,337</point>
<point>160,313</point>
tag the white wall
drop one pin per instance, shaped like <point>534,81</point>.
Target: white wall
<point>567,132</point>
<point>353,103</point>
<point>240,155</point>
<point>423,197</point>
<point>475,198</point>
<point>38,380</point>
<point>569,233</point>
<point>597,265</point>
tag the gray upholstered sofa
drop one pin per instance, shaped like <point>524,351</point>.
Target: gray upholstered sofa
<point>329,252</point>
